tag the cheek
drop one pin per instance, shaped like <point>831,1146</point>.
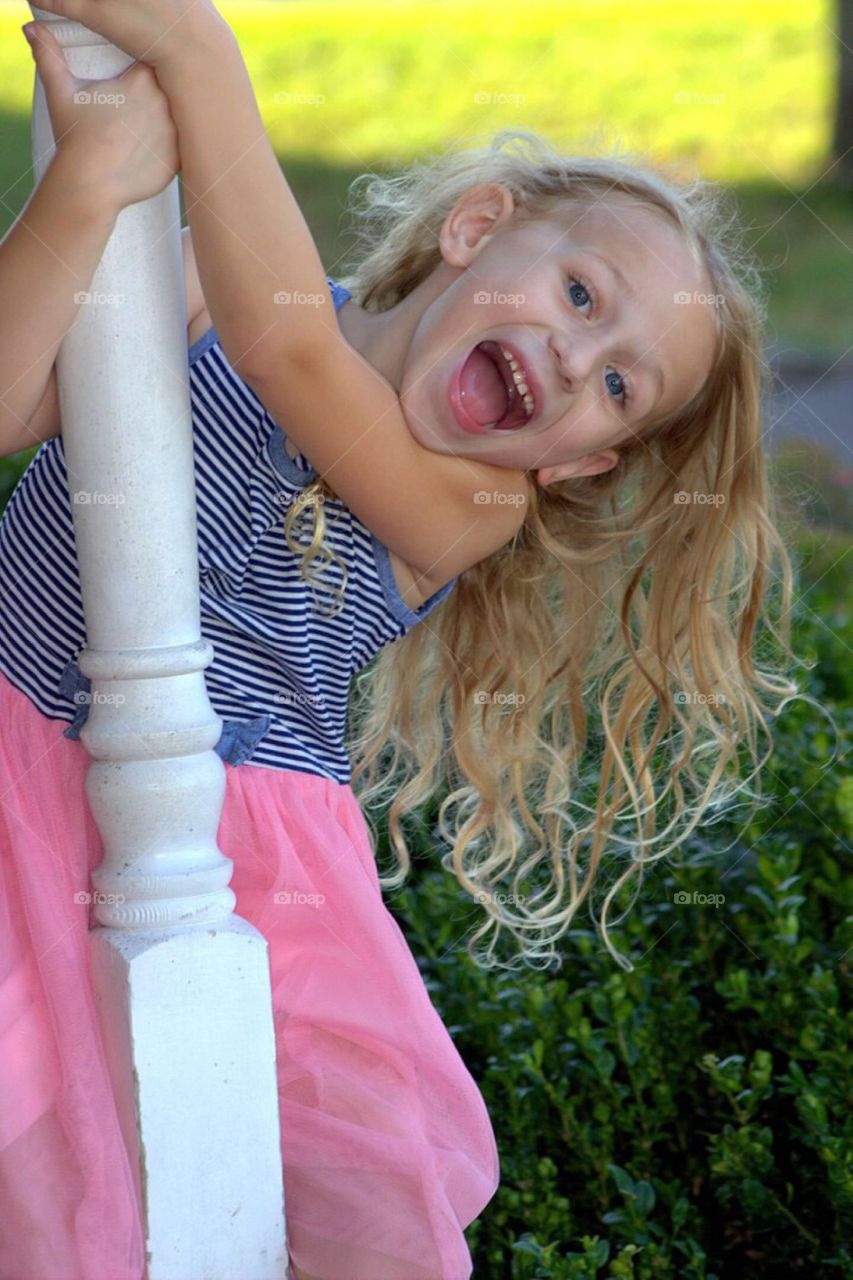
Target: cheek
<point>583,430</point>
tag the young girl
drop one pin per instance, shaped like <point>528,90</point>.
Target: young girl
<point>531,424</point>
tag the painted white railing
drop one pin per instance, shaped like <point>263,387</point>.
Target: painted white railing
<point>182,984</point>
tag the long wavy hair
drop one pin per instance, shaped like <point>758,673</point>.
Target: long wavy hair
<point>611,648</point>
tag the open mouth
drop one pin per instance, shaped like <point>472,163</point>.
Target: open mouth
<point>492,389</point>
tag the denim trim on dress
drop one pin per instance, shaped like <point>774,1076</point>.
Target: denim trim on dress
<point>77,688</point>
<point>239,738</point>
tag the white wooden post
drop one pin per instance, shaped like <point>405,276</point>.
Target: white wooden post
<point>182,984</point>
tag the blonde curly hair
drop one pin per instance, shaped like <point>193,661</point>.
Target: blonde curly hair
<point>615,597</point>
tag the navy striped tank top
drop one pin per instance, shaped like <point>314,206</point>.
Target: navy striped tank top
<point>282,667</point>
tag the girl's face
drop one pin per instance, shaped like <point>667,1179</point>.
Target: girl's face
<point>609,321</point>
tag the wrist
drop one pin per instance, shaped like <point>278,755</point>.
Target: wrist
<point>85,185</point>
<point>204,39</point>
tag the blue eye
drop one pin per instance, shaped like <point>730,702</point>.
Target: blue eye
<point>625,395</point>
<point>577,284</point>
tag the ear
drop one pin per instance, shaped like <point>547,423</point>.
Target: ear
<point>477,215</point>
<point>591,464</point>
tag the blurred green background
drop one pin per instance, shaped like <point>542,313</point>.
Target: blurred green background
<point>691,1120</point>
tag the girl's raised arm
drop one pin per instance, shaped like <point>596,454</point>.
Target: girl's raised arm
<point>254,250</point>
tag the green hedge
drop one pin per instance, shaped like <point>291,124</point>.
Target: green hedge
<point>690,1120</point>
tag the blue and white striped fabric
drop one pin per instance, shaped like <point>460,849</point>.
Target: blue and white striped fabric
<point>282,667</point>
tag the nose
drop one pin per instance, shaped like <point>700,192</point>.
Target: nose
<point>575,358</point>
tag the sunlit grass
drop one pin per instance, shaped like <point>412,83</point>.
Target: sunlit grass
<point>736,90</point>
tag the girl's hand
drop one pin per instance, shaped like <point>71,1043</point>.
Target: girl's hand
<point>120,130</point>
<point>152,31</point>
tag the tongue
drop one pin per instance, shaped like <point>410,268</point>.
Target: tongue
<point>482,389</point>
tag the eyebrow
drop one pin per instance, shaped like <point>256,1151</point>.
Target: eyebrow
<point>614,270</point>
<point>650,361</point>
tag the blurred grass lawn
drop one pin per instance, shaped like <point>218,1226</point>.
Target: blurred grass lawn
<point>742,94</point>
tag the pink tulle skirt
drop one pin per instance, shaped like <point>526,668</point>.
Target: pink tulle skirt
<point>387,1147</point>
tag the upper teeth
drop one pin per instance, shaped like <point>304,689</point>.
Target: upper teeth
<point>518,379</point>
